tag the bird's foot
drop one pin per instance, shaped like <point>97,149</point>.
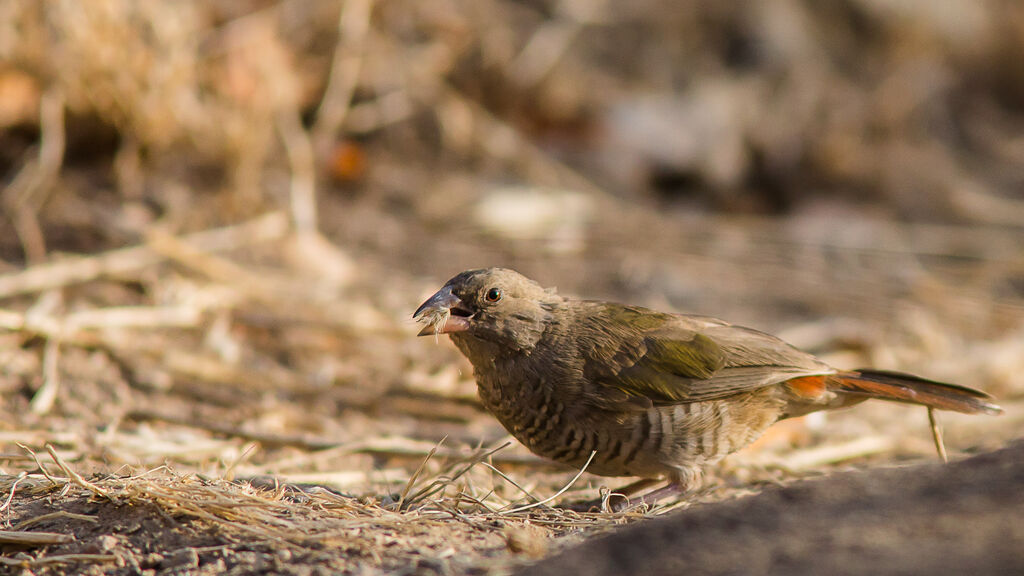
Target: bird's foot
<point>667,491</point>
<point>625,498</point>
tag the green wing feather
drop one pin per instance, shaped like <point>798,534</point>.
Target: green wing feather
<point>646,357</point>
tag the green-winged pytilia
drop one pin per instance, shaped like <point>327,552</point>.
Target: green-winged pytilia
<point>650,394</point>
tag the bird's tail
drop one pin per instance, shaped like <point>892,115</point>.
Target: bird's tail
<point>901,387</point>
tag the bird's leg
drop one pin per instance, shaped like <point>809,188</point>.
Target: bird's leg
<point>681,481</point>
<point>634,487</point>
<point>669,490</point>
<point>617,502</point>
<point>618,499</point>
<point>626,496</point>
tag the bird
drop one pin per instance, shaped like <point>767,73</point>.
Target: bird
<point>629,391</point>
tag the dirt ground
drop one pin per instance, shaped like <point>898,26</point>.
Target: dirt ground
<point>216,219</point>
<point>963,518</point>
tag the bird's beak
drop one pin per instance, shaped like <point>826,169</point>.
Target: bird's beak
<point>443,313</point>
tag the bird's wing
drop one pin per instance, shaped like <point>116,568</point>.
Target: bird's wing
<point>641,357</point>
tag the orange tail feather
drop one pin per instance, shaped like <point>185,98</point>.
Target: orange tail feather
<point>901,387</point>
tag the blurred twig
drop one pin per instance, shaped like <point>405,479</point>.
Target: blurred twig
<point>265,438</point>
<point>985,207</point>
<point>820,456</point>
<point>550,41</point>
<point>346,64</point>
<point>269,227</point>
<point>25,563</point>
<point>303,178</point>
<point>505,142</point>
<point>23,198</point>
<point>47,394</point>
<point>20,538</point>
<point>412,479</point>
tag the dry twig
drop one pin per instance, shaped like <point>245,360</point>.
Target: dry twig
<point>940,446</point>
<point>57,559</point>
<point>75,477</point>
<point>556,494</point>
<point>44,398</point>
<point>416,474</point>
<point>346,64</point>
<point>59,274</point>
<point>28,191</point>
<point>22,538</point>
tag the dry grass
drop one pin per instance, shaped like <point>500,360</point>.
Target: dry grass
<point>442,516</point>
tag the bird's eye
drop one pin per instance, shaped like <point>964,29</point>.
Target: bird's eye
<point>493,295</point>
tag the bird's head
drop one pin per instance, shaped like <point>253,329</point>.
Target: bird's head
<point>495,305</point>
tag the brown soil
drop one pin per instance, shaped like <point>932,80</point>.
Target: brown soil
<point>964,518</point>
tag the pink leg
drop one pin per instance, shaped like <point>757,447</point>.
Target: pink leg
<point>667,491</point>
<point>618,501</point>
<point>634,487</point>
<point>626,496</point>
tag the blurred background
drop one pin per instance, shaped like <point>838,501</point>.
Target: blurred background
<point>217,217</point>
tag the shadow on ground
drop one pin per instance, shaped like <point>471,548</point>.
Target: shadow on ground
<point>964,518</point>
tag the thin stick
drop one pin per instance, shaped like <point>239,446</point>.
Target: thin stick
<point>386,109</point>
<point>266,439</point>
<point>442,482</point>
<point>229,474</point>
<point>940,447</point>
<point>53,515</point>
<point>560,492</point>
<point>44,398</point>
<point>29,189</point>
<point>255,284</point>
<point>58,559</point>
<point>75,477</point>
<point>20,538</point>
<point>346,66</point>
<point>834,453</point>
<point>511,481</point>
<point>196,258</point>
<point>52,479</point>
<point>299,149</point>
<point>496,134</point>
<point>177,316</point>
<point>14,488</point>
<point>549,43</point>
<point>479,501</point>
<point>273,226</point>
<point>422,466</point>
